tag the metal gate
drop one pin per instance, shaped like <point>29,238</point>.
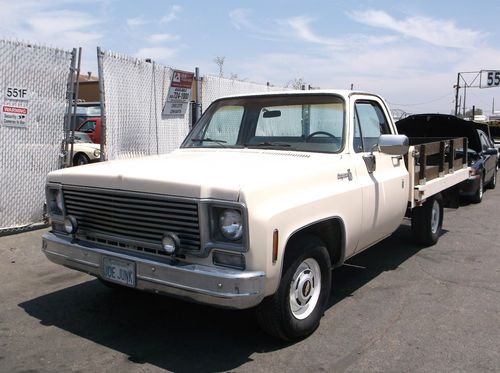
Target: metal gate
<point>134,93</point>
<point>33,100</point>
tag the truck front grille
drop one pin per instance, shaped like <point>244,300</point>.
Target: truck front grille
<point>132,221</point>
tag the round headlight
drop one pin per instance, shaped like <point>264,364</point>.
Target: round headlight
<point>170,243</point>
<point>97,153</point>
<point>70,224</point>
<point>231,224</point>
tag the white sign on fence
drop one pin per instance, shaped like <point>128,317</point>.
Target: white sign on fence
<point>14,116</point>
<point>179,94</point>
<point>16,93</point>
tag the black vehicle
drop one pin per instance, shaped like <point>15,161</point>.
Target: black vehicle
<point>482,155</point>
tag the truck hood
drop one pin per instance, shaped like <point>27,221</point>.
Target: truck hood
<point>198,173</point>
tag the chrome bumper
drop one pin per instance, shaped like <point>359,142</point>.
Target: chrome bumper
<point>209,285</point>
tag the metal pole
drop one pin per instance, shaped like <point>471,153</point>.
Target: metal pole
<point>456,95</point>
<point>75,106</point>
<point>100,55</point>
<point>198,95</point>
<point>473,112</point>
<point>465,94</point>
<point>67,120</point>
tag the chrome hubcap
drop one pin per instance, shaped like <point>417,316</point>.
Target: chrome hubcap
<point>481,186</point>
<point>435,216</point>
<point>305,288</point>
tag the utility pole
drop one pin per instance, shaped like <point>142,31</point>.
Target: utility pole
<point>457,105</point>
<point>465,94</point>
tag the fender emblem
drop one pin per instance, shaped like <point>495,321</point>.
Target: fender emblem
<point>345,175</point>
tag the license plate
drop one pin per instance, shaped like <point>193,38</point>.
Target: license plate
<point>119,271</point>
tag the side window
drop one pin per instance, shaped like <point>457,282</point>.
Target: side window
<point>369,123</point>
<point>484,141</point>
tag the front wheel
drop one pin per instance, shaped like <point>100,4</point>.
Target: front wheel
<point>80,159</point>
<point>427,221</point>
<point>295,310</point>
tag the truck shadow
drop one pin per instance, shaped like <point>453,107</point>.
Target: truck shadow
<point>180,336</point>
<point>385,256</point>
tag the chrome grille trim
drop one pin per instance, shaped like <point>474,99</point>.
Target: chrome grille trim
<point>132,220</point>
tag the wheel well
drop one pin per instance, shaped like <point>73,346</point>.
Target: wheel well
<point>77,154</point>
<point>330,232</point>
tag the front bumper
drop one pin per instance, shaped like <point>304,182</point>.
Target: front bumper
<point>203,284</point>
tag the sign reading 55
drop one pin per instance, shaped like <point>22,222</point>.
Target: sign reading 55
<point>490,78</point>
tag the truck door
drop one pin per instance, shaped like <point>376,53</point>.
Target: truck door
<point>383,177</point>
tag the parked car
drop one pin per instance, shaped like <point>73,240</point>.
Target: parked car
<point>84,150</point>
<point>482,155</point>
<point>92,127</point>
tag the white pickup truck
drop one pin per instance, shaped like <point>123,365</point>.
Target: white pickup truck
<point>267,194</point>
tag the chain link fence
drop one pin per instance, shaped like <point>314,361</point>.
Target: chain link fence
<point>134,94</point>
<point>33,99</point>
<point>213,87</point>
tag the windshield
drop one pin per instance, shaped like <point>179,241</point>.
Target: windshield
<point>302,122</point>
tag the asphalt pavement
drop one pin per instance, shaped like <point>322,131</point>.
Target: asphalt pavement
<point>396,307</point>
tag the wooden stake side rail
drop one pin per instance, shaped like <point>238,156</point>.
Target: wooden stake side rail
<point>436,157</point>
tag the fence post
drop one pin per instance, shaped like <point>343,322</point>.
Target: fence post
<point>67,120</point>
<point>100,56</point>
<point>75,106</point>
<point>197,104</point>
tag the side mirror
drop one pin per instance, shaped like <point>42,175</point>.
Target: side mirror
<point>491,151</point>
<point>393,144</point>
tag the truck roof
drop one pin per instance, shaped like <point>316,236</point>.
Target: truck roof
<point>339,92</point>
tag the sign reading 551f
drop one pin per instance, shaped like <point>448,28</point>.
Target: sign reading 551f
<point>490,78</point>
<point>16,93</point>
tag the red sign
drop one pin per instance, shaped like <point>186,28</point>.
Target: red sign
<point>182,79</point>
<point>15,110</point>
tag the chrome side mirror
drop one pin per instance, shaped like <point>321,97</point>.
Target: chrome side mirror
<point>393,144</point>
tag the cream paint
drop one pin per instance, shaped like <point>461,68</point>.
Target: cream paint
<point>282,190</point>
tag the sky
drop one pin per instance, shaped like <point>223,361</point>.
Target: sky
<point>410,52</point>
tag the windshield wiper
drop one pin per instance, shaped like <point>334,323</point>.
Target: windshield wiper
<point>269,143</point>
<point>208,139</point>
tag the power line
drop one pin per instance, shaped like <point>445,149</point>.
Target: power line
<point>422,103</point>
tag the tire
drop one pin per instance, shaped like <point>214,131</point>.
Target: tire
<point>295,310</point>
<point>80,159</point>
<point>493,182</point>
<point>427,221</point>
<point>478,196</point>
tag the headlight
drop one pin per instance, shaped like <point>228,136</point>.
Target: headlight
<point>55,201</point>
<point>97,153</point>
<point>231,224</point>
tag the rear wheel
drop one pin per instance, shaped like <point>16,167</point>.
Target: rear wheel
<point>295,310</point>
<point>427,221</point>
<point>478,196</point>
